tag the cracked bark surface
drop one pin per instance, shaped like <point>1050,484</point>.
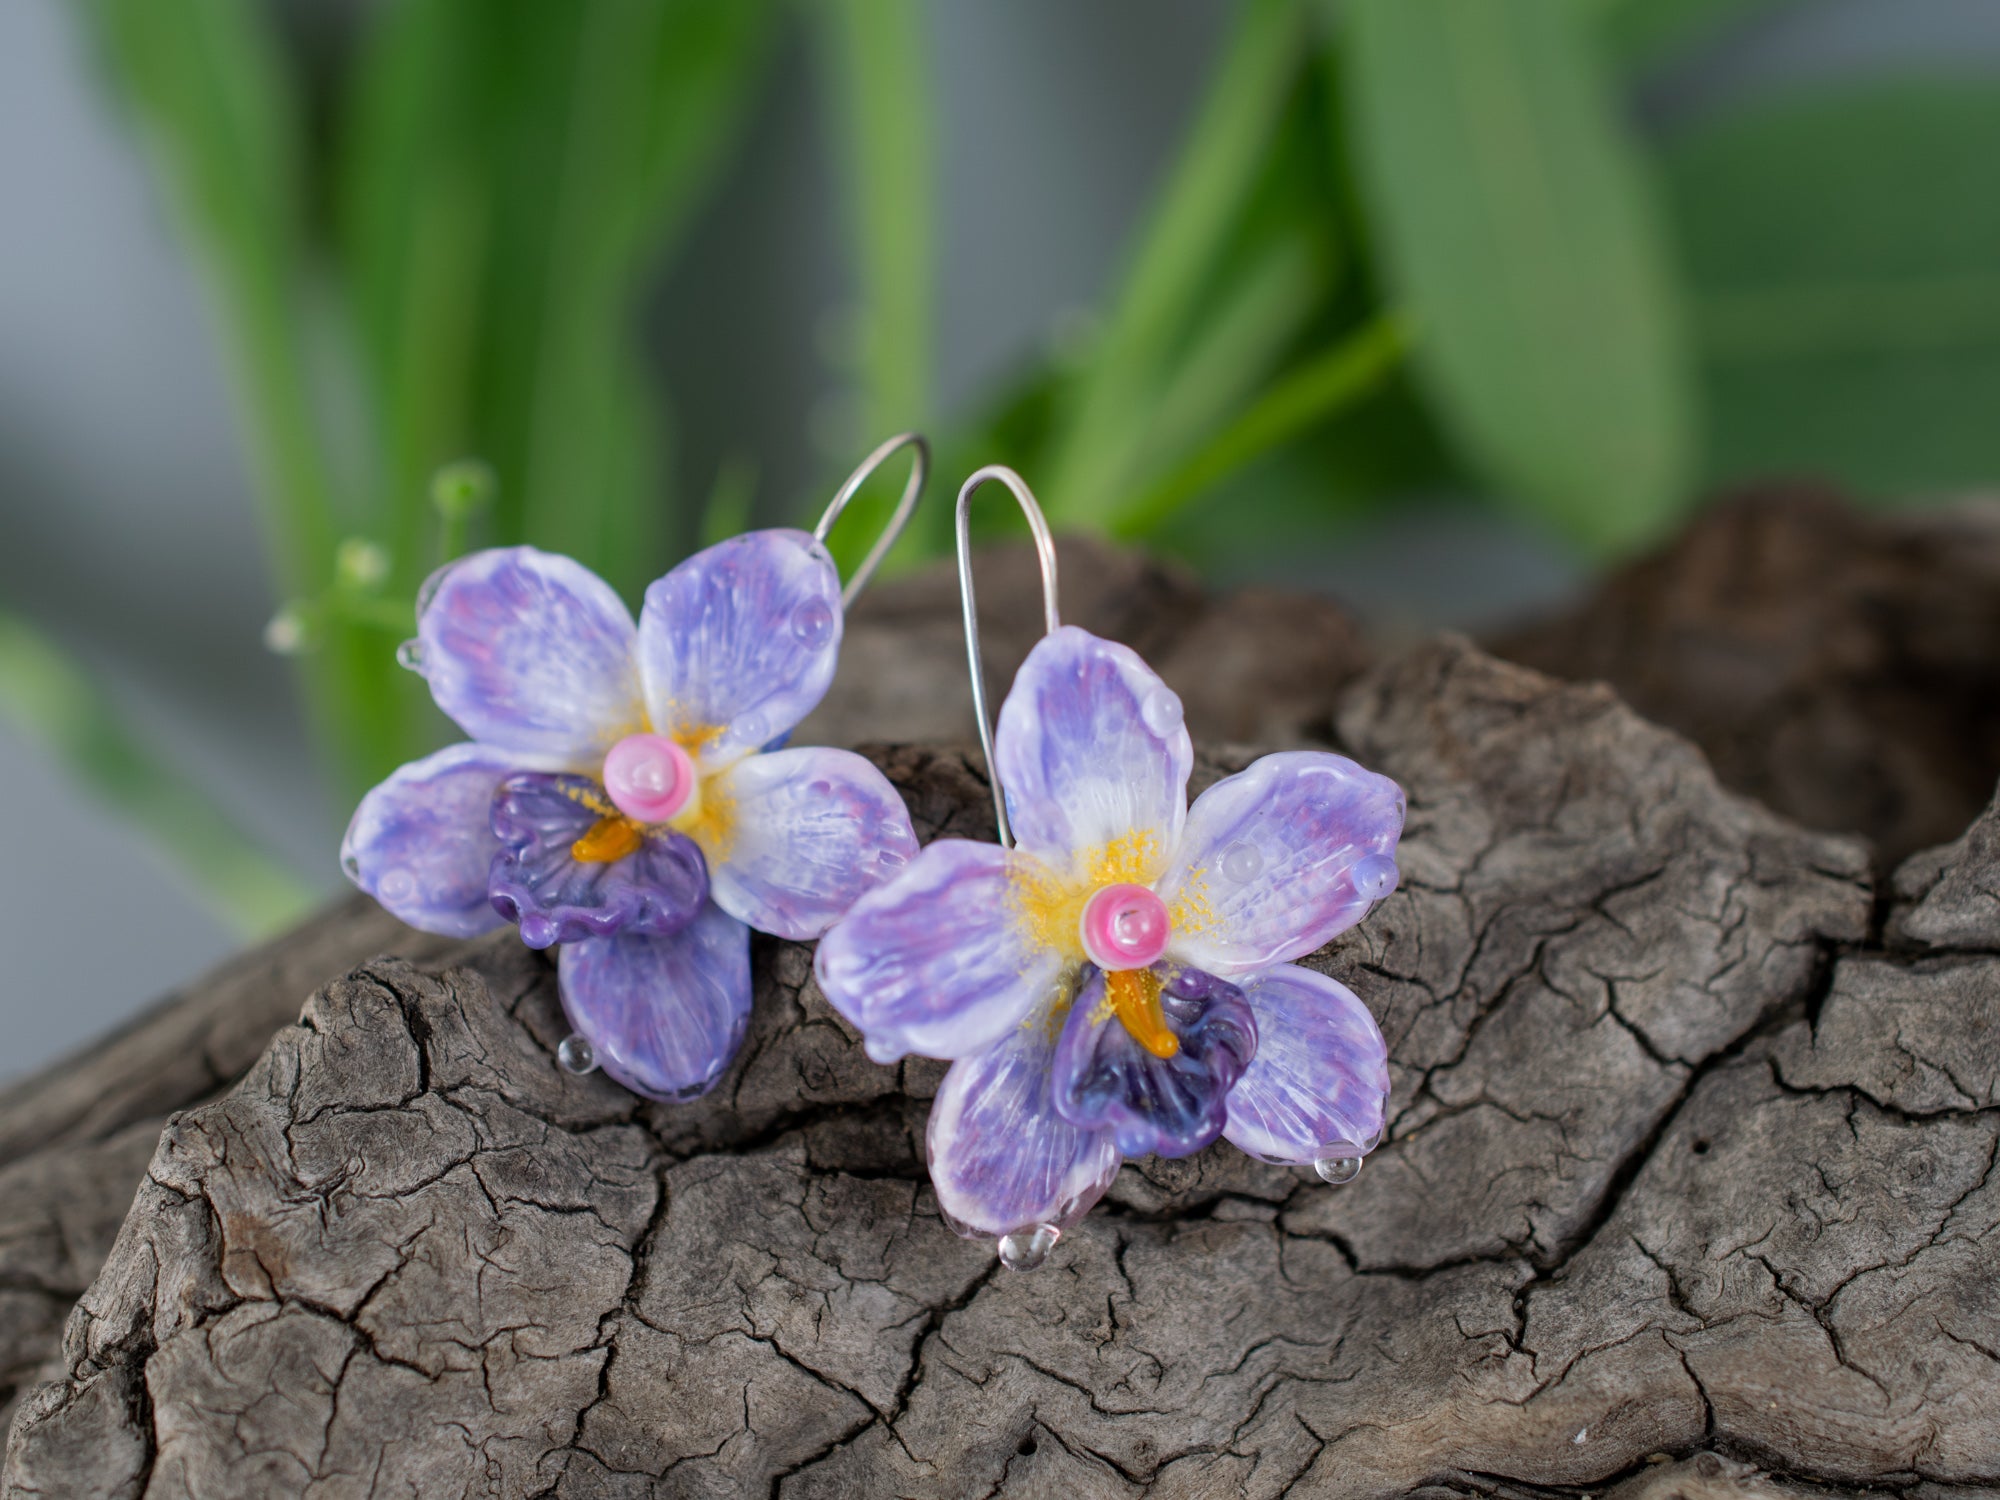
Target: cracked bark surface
<point>1835,663</point>
<point>1689,1190</point>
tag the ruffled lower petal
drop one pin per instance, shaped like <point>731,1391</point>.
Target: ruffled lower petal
<point>1092,751</point>
<point>940,961</point>
<point>1280,858</point>
<point>421,845</point>
<point>738,643</point>
<point>665,1015</point>
<point>537,881</point>
<point>532,652</point>
<point>1104,1079</point>
<point>1001,1158</point>
<point>809,833</point>
<point>1321,1074</point>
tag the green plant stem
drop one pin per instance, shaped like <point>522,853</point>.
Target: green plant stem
<point>51,699</point>
<point>1310,395</point>
<point>1213,179</point>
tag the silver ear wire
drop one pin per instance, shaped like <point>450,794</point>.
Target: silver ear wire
<point>920,470</point>
<point>1045,550</point>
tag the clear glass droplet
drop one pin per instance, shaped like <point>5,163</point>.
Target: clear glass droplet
<point>1161,709</point>
<point>410,655</point>
<point>1241,863</point>
<point>427,590</point>
<point>1338,1162</point>
<point>395,887</point>
<point>1025,1249</point>
<point>749,729</point>
<point>812,622</point>
<point>350,866</point>
<point>1375,876</point>
<point>576,1055</point>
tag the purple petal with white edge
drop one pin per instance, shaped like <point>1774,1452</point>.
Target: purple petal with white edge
<point>738,643</point>
<point>1321,1074</point>
<point>664,1014</point>
<point>1001,1158</point>
<point>1091,748</point>
<point>531,652</point>
<point>939,961</point>
<point>420,843</point>
<point>810,833</point>
<point>536,880</point>
<point>1279,858</point>
<point>1155,1106</point>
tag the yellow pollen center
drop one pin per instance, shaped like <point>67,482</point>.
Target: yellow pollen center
<point>1134,997</point>
<point>609,838</point>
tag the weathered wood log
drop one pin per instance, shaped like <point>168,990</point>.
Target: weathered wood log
<point>1688,1172</point>
<point>1840,666</point>
<point>1684,1161</point>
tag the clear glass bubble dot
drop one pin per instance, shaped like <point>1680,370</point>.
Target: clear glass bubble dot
<point>1162,711</point>
<point>1025,1249</point>
<point>1241,863</point>
<point>1375,876</point>
<point>1338,1162</point>
<point>410,656</point>
<point>576,1055</point>
<point>812,622</point>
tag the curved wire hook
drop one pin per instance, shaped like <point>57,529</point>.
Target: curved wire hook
<point>1045,551</point>
<point>920,471</point>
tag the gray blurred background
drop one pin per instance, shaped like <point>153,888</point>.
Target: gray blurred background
<point>126,525</point>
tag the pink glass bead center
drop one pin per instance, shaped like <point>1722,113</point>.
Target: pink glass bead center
<point>1125,927</point>
<point>649,777</point>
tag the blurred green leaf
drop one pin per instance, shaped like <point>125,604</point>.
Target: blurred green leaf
<point>515,171</point>
<point>880,71</point>
<point>1642,33</point>
<point>51,699</point>
<point>1197,214</point>
<point>1845,249</point>
<point>1317,391</point>
<point>1513,218</point>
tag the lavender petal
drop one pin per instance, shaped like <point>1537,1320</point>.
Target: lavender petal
<point>738,643</point>
<point>1321,1072</point>
<point>419,843</point>
<point>1279,858</point>
<point>531,652</point>
<point>664,1015</point>
<point>811,832</point>
<point>1155,1106</point>
<point>556,898</point>
<point>1001,1158</point>
<point>1091,748</point>
<point>939,961</point>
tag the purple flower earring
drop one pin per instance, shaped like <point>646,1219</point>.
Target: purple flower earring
<point>625,792</point>
<point>1114,977</point>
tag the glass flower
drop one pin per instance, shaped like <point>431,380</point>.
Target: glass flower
<point>1121,982</point>
<point>623,793</point>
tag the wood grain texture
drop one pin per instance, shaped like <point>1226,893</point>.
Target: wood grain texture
<point>1688,1191</point>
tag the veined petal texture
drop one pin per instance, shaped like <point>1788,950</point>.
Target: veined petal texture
<point>537,881</point>
<point>1091,749</point>
<point>1001,1158</point>
<point>938,961</point>
<point>531,652</point>
<point>1321,1074</point>
<point>738,643</point>
<point>1279,858</point>
<point>1165,1106</point>
<point>665,1015</point>
<point>810,832</point>
<point>421,843</point>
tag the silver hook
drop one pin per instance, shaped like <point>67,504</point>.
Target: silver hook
<point>1045,550</point>
<point>919,471</point>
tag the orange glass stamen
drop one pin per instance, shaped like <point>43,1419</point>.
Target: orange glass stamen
<point>1135,998</point>
<point>608,839</point>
